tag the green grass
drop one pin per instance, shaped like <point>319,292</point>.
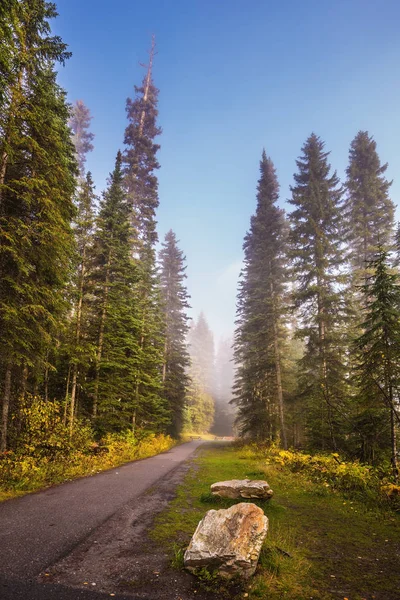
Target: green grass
<point>320,545</point>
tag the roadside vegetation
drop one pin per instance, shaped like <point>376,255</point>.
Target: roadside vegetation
<point>333,526</point>
<point>47,455</point>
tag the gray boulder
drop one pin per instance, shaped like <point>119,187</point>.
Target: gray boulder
<point>242,488</point>
<point>228,540</point>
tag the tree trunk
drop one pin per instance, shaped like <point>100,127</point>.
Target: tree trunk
<point>77,339</point>
<point>278,370</point>
<point>14,105</point>
<point>147,84</point>
<point>5,408</point>
<point>394,445</point>
<point>164,369</point>
<point>24,382</point>
<point>134,422</point>
<point>66,396</point>
<point>101,339</point>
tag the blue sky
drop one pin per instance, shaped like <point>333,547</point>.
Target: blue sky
<point>234,77</point>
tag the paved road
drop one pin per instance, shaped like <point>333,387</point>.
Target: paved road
<point>38,529</point>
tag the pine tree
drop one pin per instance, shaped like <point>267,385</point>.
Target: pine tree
<point>114,323</point>
<point>259,328</point>
<point>175,304</point>
<point>36,189</point>
<point>369,210</point>
<point>378,354</point>
<point>140,161</point>
<point>81,136</point>
<point>317,256</point>
<point>7,56</point>
<point>80,347</point>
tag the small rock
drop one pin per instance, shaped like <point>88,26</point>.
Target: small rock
<point>228,540</point>
<point>242,488</point>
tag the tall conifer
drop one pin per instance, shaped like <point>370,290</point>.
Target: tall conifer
<point>115,325</point>
<point>140,166</point>
<point>259,327</point>
<point>80,348</point>
<point>378,367</point>
<point>317,256</point>
<point>175,304</point>
<point>370,211</point>
<point>36,189</point>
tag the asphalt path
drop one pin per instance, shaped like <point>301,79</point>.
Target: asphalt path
<point>38,529</point>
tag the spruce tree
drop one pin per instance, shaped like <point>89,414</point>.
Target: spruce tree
<point>36,189</point>
<point>140,166</point>
<point>369,210</point>
<point>317,256</point>
<point>259,327</point>
<point>378,366</point>
<point>7,56</point>
<point>80,348</point>
<point>81,136</point>
<point>115,325</point>
<point>174,304</point>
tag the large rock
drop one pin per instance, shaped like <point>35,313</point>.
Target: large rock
<point>242,488</point>
<point>228,540</point>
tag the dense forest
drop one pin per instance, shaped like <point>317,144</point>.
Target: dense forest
<point>93,319</point>
<point>317,343</point>
<point>94,310</point>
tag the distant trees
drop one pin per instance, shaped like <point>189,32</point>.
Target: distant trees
<point>199,415</point>
<point>224,375</point>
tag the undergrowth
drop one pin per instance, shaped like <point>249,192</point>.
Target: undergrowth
<point>46,453</point>
<point>352,479</point>
<point>324,541</point>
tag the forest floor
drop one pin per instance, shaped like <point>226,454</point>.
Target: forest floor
<point>320,545</point>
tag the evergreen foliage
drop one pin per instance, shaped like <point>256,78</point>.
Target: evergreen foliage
<point>317,258</point>
<point>79,347</point>
<point>91,329</point>
<point>140,165</point>
<point>369,210</point>
<point>175,304</point>
<point>259,326</point>
<point>37,184</point>
<point>378,364</point>
<point>115,323</point>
